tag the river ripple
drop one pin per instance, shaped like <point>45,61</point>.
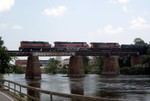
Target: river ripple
<point>134,88</point>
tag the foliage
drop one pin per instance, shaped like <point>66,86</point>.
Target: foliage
<point>86,64</point>
<point>62,70</point>
<point>125,70</point>
<point>99,61</point>
<point>4,58</point>
<point>138,70</point>
<point>85,61</point>
<point>10,70</point>
<point>146,63</point>
<point>148,51</point>
<point>139,41</point>
<point>52,66</point>
<point>94,70</point>
<point>86,69</point>
<point>18,69</point>
<point>124,62</point>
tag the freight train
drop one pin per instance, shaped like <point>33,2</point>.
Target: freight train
<point>34,46</point>
<point>58,46</point>
<point>80,46</point>
<point>70,46</point>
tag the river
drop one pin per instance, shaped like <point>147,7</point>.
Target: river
<point>130,87</point>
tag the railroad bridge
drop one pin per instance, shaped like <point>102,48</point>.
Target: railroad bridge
<point>75,69</point>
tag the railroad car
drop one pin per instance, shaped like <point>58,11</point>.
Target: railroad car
<point>34,46</point>
<point>104,45</point>
<point>70,46</point>
<point>100,46</point>
<point>142,49</point>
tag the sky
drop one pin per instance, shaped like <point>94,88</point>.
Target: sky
<point>74,20</point>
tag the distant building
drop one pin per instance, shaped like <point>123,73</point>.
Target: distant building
<point>64,62</point>
<point>43,63</point>
<point>92,62</point>
<point>21,63</point>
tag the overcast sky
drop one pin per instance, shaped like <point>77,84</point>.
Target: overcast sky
<point>74,20</point>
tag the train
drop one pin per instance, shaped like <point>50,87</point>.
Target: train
<point>58,46</point>
<point>80,46</point>
<point>141,48</point>
<point>70,46</point>
<point>34,46</point>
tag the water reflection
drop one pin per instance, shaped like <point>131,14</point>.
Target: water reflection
<point>76,86</point>
<point>33,93</point>
<point>107,87</point>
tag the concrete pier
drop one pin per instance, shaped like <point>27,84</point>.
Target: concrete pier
<point>76,68</point>
<point>111,65</point>
<point>33,68</point>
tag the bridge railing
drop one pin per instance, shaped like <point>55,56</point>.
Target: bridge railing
<point>16,91</point>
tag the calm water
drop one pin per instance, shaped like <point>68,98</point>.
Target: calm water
<point>133,88</point>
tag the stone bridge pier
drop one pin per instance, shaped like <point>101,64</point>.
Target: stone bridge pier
<point>111,65</point>
<point>33,68</point>
<point>76,68</point>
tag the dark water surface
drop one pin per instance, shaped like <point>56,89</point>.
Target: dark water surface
<point>133,88</point>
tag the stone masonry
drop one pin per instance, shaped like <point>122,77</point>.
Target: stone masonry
<point>75,68</point>
<point>33,68</point>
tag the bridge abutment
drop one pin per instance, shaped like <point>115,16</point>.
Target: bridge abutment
<point>111,65</point>
<point>33,68</point>
<point>76,68</point>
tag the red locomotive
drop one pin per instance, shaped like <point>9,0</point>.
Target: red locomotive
<point>70,46</point>
<point>34,46</point>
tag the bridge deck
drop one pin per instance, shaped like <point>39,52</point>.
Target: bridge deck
<point>67,53</point>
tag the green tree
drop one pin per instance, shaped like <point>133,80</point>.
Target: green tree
<point>4,58</point>
<point>124,62</point>
<point>86,64</point>
<point>99,61</point>
<point>52,66</point>
<point>146,62</point>
<point>18,69</point>
<point>139,41</point>
<point>85,60</point>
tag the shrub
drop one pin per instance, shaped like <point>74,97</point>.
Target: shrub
<point>125,70</point>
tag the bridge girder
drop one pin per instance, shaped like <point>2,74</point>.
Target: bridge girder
<point>79,53</point>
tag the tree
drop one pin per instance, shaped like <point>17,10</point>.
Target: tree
<point>99,61</point>
<point>86,65</point>
<point>85,61</point>
<point>146,62</point>
<point>52,65</point>
<point>139,41</point>
<point>4,58</point>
